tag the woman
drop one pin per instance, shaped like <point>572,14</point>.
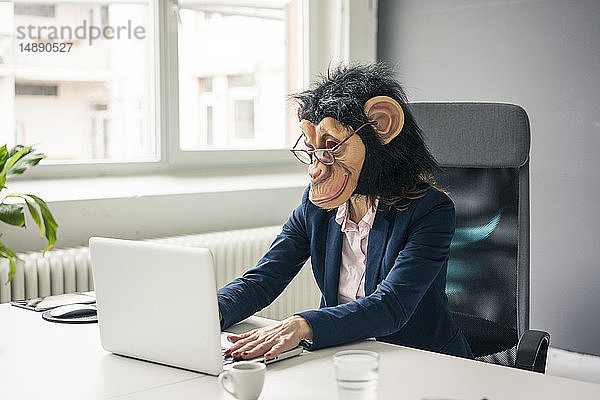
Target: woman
<point>376,228</point>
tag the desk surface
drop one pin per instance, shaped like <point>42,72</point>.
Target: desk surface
<point>44,360</point>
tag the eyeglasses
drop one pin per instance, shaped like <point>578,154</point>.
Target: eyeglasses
<point>325,156</point>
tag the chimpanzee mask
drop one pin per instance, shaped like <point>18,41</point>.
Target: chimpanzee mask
<point>359,137</point>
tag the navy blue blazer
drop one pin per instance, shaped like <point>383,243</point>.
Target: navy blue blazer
<point>405,301</point>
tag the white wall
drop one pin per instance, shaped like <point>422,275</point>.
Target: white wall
<point>545,56</point>
<point>140,207</point>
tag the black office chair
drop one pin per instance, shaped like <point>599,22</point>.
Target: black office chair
<point>483,149</point>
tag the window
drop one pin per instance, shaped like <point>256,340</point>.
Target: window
<point>203,77</point>
<point>39,10</point>
<point>243,119</point>
<point>240,55</point>
<point>77,79</point>
<point>36,90</point>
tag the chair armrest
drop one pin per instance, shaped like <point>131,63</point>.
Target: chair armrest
<point>532,351</point>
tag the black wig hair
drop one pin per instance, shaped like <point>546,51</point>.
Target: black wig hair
<point>395,173</point>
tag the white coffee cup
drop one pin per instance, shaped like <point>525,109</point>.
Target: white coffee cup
<point>244,380</point>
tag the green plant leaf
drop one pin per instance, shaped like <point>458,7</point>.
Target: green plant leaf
<point>15,162</point>
<point>50,224</point>
<point>16,149</point>
<point>6,252</point>
<point>12,214</point>
<point>35,214</point>
<point>3,156</point>
<point>29,159</point>
<point>14,155</point>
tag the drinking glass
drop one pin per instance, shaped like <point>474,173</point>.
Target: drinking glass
<point>356,373</point>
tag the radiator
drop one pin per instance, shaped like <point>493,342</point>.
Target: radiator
<point>69,270</point>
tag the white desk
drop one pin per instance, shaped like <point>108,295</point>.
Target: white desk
<point>67,362</point>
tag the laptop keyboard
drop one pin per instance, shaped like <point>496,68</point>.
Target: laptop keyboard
<point>227,359</point>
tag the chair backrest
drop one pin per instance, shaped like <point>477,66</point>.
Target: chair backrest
<point>483,149</point>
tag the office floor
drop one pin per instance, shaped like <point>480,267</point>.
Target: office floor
<point>578,366</point>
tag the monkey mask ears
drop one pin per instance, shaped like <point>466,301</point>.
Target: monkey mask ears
<point>388,115</point>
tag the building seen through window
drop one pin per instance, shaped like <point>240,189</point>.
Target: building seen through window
<point>234,75</point>
<point>97,101</point>
<point>92,102</point>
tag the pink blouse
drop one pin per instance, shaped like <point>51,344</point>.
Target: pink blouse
<point>354,253</point>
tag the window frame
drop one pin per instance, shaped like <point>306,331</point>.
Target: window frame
<point>169,113</point>
<point>314,57</point>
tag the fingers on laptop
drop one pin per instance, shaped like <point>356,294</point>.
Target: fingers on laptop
<point>245,344</point>
<point>257,350</point>
<point>239,340</point>
<point>271,340</point>
<point>234,338</point>
<point>256,347</point>
<point>279,348</point>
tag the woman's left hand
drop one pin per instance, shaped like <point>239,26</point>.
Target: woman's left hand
<point>271,340</point>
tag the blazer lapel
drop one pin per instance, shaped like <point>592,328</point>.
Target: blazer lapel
<point>333,257</point>
<point>377,242</point>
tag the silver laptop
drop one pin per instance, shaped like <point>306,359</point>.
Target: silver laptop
<point>158,302</point>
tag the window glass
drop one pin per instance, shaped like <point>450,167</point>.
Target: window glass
<point>76,79</point>
<point>243,119</point>
<point>234,74</point>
